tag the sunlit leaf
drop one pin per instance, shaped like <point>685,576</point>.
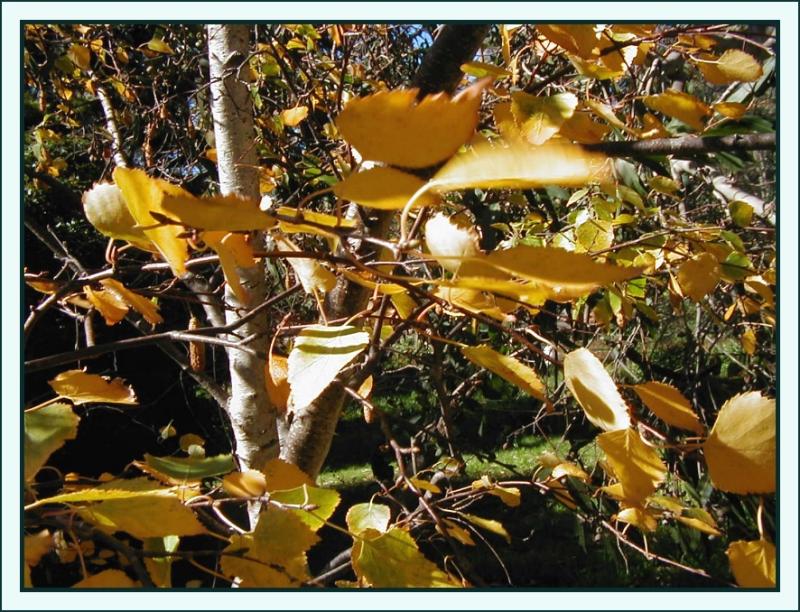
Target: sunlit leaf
<point>519,166</point>
<point>508,368</point>
<point>753,563</point>
<point>681,106</point>
<point>276,377</point>
<point>450,238</point>
<point>664,184</point>
<point>732,110</point>
<point>382,188</point>
<point>147,308</point>
<point>578,39</point>
<point>669,405</point>
<point>159,46</point>
<point>457,532</point>
<point>699,276</point>
<point>214,213</point>
<point>636,465</point>
<point>313,276</point>
<point>482,69</point>
<point>594,235</point>
<point>493,526</point>
<point>235,254</point>
<point>143,196</point>
<point>108,303</point>
<point>740,451</point>
<point>638,517</point>
<point>293,116</point>
<point>737,65</point>
<point>395,128</point>
<point>699,519</point>
<point>81,387</point>
<point>595,391</point>
<point>582,129</point>
<point>319,504</point>
<point>392,560</point>
<point>46,430</point>
<point>105,208</point>
<point>250,483</point>
<point>281,475</point>
<point>292,221</point>
<point>749,341</point>
<point>567,468</point>
<point>318,355</point>
<point>107,579</point>
<point>541,117</point>
<point>510,496</point>
<point>361,517</point>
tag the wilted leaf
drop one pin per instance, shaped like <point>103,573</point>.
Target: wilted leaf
<point>395,128</point>
<point>392,560</point>
<point>108,303</point>
<point>361,517</point>
<point>46,430</point>
<point>143,196</point>
<point>740,451</point>
<point>274,553</point>
<point>541,117</point>
<point>107,579</point>
<point>81,388</point>
<point>277,381</point>
<point>753,563</point>
<point>699,276</point>
<point>595,391</point>
<point>382,188</point>
<point>319,353</point>
<point>681,106</point>
<point>636,465</point>
<point>313,276</point>
<point>450,238</point>
<point>519,166</point>
<point>293,116</point>
<point>147,308</point>
<point>669,405</point>
<point>508,368</point>
<point>638,517</point>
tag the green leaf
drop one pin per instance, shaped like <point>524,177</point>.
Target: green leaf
<point>737,266</point>
<point>46,430</point>
<point>319,354</point>
<point>368,516</point>
<point>325,501</point>
<point>191,468</point>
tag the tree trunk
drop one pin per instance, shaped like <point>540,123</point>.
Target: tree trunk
<point>311,432</point>
<point>253,418</point>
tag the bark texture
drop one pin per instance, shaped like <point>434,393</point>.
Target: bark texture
<point>310,434</point>
<point>253,418</point>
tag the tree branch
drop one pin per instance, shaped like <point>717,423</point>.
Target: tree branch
<point>684,145</point>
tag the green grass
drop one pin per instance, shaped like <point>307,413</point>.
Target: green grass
<point>519,461</point>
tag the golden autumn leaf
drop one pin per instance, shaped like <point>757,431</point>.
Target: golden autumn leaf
<point>395,128</point>
<point>250,483</point>
<point>313,276</point>
<point>578,39</point>
<point>567,468</point>
<point>737,65</point>
<point>457,532</point>
<point>699,519</point>
<point>79,55</point>
<point>753,563</point>
<point>80,387</point>
<point>636,466</point>
<point>235,254</point>
<point>281,475</point>
<point>518,166</point>
<point>143,196</point>
<point>669,405</point>
<point>46,430</point>
<point>482,69</point>
<point>292,221</point>
<point>638,517</point>
<point>449,239</point>
<point>510,496</point>
<point>276,377</point>
<point>595,391</point>
<point>214,213</point>
<point>495,527</point>
<point>681,106</point>
<point>749,341</point>
<point>159,46</point>
<point>292,117</point>
<point>541,117</point>
<point>740,451</point>
<point>107,579</point>
<point>508,368</point>
<point>582,129</point>
<point>105,208</point>
<point>147,308</point>
<point>382,188</point>
<point>108,303</point>
<point>318,355</point>
<point>699,276</point>
<point>317,504</point>
<point>732,110</point>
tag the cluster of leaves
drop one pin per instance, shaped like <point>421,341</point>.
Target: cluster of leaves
<point>618,256</point>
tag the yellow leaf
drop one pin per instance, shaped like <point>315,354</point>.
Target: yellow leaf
<point>749,341</point>
<point>143,196</point>
<point>594,69</point>
<point>668,503</point>
<point>274,553</point>
<point>493,526</point>
<point>669,405</point>
<point>457,532</point>
<point>580,40</point>
<point>293,116</point>
<point>567,468</point>
<point>313,276</point>
<point>663,184</point>
<point>519,166</point>
<point>319,504</point>
<point>636,465</point>
<point>211,154</point>
<point>699,276</point>
<point>753,563</point>
<point>740,451</point>
<point>741,212</point>
<point>392,560</point>
<point>382,188</point>
<point>594,235</point>
<point>218,213</point>
<point>704,523</point>
<point>319,354</point>
<point>105,208</point>
<point>510,496</point>
<point>107,579</point>
<point>160,568</point>
<point>737,65</point>
<point>681,106</point>
<point>508,368</point>
<point>424,485</point>
<point>361,517</point>
<point>187,440</point>
<point>277,381</point>
<point>477,301</point>
<point>159,46</point>
<point>482,69</point>
<point>393,127</point>
<point>653,128</point>
<point>581,129</point>
<point>638,517</point>
<point>46,430</point>
<point>595,391</point>
<point>291,221</point>
<point>541,117</point>
<point>606,113</point>
<point>81,388</point>
<point>108,303</point>
<point>450,239</point>
<point>80,56</point>
<point>141,304</point>
<point>234,254</point>
<point>732,110</point>
<point>250,483</point>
